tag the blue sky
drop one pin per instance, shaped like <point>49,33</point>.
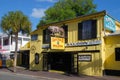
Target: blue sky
<point>34,9</point>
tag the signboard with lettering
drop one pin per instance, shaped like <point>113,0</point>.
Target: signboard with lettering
<point>88,43</point>
<point>84,57</point>
<point>109,23</point>
<point>57,43</point>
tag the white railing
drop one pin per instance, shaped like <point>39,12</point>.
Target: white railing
<point>6,47</point>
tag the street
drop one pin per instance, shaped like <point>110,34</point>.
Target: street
<point>24,74</point>
<point>14,76</point>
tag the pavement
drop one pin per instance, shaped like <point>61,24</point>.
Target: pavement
<point>56,76</point>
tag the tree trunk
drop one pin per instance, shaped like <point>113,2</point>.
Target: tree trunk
<point>15,54</point>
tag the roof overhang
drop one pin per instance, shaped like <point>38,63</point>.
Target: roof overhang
<point>117,33</point>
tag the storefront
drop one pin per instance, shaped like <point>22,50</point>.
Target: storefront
<point>59,61</point>
<point>80,49</point>
<point>23,57</point>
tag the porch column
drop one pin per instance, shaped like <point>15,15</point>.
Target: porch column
<point>10,43</point>
<point>2,42</point>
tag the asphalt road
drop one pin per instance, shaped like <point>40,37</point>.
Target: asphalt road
<point>24,74</point>
<point>14,76</point>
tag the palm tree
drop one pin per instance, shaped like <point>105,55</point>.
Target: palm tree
<point>13,23</point>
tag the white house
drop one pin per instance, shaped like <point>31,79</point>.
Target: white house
<point>7,43</point>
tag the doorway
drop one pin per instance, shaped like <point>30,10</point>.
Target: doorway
<point>25,59</point>
<point>60,61</point>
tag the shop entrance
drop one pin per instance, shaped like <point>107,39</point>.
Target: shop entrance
<point>25,59</point>
<point>59,61</point>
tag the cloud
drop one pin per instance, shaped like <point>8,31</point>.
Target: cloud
<point>38,12</point>
<point>47,0</point>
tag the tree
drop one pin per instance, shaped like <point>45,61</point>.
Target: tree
<point>67,9</point>
<point>13,23</point>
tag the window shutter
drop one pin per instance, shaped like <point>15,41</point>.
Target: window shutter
<point>79,31</point>
<point>46,36</point>
<point>65,27</point>
<point>94,28</point>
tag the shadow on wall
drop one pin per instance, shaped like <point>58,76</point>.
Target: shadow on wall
<point>91,68</point>
<point>112,66</point>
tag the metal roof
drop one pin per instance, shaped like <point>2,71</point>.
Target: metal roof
<point>117,33</point>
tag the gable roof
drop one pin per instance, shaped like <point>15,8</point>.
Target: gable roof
<point>97,14</point>
<point>101,13</point>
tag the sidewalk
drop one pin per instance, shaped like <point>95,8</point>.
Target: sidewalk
<point>57,76</point>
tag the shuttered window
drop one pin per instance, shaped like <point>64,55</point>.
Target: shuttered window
<point>46,36</point>
<point>87,30</point>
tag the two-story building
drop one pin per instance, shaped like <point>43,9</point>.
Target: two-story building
<point>7,45</point>
<point>90,46</point>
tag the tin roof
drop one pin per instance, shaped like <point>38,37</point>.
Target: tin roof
<point>64,21</point>
<point>116,33</point>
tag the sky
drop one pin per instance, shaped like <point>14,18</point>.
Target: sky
<point>34,9</point>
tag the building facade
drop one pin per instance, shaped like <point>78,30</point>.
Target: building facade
<point>7,44</point>
<point>90,46</point>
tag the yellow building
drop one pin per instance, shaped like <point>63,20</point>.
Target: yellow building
<point>91,46</point>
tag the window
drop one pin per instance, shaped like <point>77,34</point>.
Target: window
<point>65,27</point>
<point>36,58</point>
<point>117,54</point>
<point>46,36</point>
<point>19,40</point>
<point>87,30</point>
<point>34,37</point>
<point>5,41</point>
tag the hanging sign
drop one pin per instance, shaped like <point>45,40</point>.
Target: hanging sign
<point>57,43</point>
<point>109,23</point>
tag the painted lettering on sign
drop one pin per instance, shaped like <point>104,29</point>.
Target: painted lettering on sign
<point>57,43</point>
<point>88,43</point>
<point>84,57</point>
<point>109,23</point>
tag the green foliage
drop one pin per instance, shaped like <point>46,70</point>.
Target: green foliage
<point>14,22</point>
<point>67,9</point>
